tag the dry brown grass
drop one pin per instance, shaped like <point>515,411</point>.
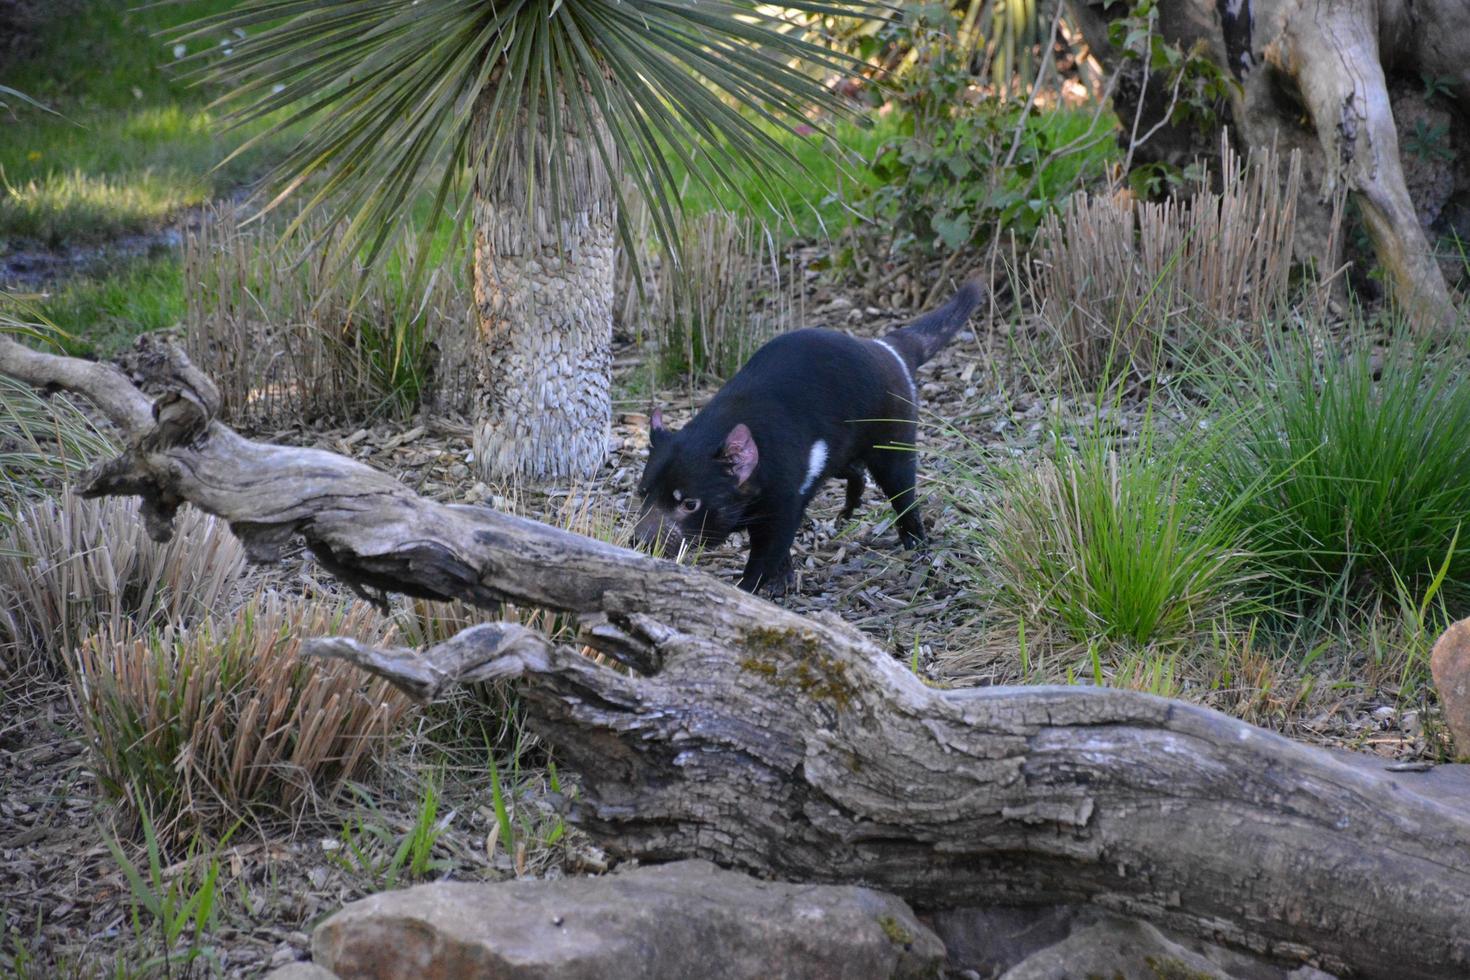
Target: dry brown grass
<point>69,567</point>
<point>225,720</point>
<point>731,291</point>
<point>285,342</point>
<point>1126,285</point>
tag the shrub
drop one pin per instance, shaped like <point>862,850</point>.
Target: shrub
<point>1354,468</point>
<point>69,567</point>
<point>1115,545</point>
<point>205,725</point>
<point>962,167</point>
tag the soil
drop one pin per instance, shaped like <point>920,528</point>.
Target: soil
<point>67,905</point>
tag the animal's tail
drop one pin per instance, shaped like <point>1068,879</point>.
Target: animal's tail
<point>924,338</point>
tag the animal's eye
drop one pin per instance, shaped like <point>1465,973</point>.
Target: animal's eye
<point>689,505</point>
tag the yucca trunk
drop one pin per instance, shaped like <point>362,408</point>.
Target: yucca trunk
<point>543,310</point>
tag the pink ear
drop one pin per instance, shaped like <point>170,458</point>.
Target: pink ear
<point>740,453</point>
<point>656,420</point>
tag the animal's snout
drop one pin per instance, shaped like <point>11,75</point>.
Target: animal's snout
<point>654,533</point>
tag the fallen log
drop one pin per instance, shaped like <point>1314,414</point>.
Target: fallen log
<point>794,747</point>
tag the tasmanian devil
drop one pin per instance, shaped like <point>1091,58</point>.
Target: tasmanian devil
<point>807,406</point>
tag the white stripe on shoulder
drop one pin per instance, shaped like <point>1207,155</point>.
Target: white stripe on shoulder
<point>815,462</point>
<point>903,367</point>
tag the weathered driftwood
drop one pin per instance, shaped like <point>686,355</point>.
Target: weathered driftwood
<point>795,747</point>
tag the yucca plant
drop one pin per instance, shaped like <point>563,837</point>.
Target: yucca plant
<point>203,726</point>
<point>520,116</point>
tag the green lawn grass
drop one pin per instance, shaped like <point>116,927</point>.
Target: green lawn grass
<point>811,200</point>
<point>130,144</point>
<point>99,314</point>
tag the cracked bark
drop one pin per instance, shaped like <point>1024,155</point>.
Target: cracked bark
<point>795,747</point>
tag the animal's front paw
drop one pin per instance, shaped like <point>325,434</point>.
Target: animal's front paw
<point>773,584</point>
<point>914,541</point>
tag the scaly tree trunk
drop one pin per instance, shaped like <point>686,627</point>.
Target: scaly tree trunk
<point>1328,78</point>
<point>543,311</point>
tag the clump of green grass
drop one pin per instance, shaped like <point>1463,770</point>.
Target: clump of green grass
<point>1114,545</point>
<point>43,442</point>
<point>205,726</point>
<point>1353,469</point>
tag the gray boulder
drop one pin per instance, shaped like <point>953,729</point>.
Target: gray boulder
<point>681,921</point>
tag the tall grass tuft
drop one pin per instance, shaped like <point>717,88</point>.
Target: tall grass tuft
<point>44,441</point>
<point>69,567</point>
<point>1127,285</point>
<point>203,726</point>
<point>1355,468</point>
<point>285,342</point>
<point>1113,545</point>
<point>730,292</point>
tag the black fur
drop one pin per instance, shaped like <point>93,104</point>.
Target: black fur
<point>744,461</point>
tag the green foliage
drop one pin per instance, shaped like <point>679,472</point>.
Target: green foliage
<point>814,197</point>
<point>1355,467</point>
<point>404,96</point>
<point>505,830</point>
<point>120,61</point>
<point>174,909</point>
<point>368,847</point>
<point>119,173</point>
<point>1009,34</point>
<point>1429,142</point>
<point>961,168</point>
<point>1199,89</point>
<point>1115,544</point>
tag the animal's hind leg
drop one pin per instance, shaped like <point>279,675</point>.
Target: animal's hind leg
<point>854,474</point>
<point>896,472</point>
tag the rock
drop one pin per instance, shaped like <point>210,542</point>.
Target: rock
<point>1119,948</point>
<point>1450,665</point>
<point>1068,942</point>
<point>688,919</point>
<point>285,954</point>
<point>302,970</point>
